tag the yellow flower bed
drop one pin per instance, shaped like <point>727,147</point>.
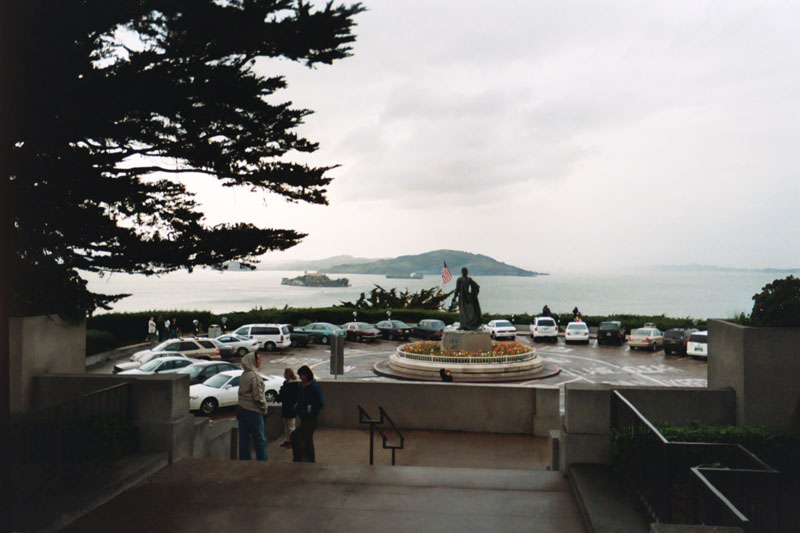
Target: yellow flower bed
<point>499,349</point>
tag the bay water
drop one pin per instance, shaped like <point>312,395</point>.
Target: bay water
<point>696,294</point>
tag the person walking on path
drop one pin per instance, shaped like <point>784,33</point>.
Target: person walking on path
<point>309,404</point>
<point>288,398</point>
<point>251,409</point>
<point>151,330</point>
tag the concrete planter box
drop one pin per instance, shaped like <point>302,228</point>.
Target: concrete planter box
<point>41,345</point>
<point>762,365</point>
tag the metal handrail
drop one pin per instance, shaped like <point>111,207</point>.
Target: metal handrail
<point>661,465</point>
<point>365,418</point>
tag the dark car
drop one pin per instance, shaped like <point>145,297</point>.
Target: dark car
<point>675,340</point>
<point>394,329</point>
<point>428,328</point>
<point>199,372</point>
<point>611,332</point>
<point>299,340</point>
<point>361,331</point>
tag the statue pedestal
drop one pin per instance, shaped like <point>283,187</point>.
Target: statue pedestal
<point>470,341</point>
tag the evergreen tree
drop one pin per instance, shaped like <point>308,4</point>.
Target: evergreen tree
<point>111,106</point>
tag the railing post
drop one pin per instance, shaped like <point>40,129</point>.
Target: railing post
<point>371,442</point>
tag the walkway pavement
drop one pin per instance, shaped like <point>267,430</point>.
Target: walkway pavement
<point>450,482</point>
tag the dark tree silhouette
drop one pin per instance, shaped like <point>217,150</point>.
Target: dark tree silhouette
<point>380,298</point>
<point>114,106</point>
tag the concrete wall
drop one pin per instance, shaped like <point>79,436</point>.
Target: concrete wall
<point>41,345</point>
<point>444,406</point>
<point>762,365</point>
<point>160,406</point>
<point>585,434</point>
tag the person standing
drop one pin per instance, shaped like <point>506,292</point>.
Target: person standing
<point>309,404</point>
<point>546,310</point>
<point>251,409</point>
<point>160,327</point>
<point>173,328</point>
<point>445,374</point>
<point>151,330</point>
<point>288,398</point>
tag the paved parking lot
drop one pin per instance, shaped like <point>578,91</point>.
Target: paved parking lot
<point>611,365</point>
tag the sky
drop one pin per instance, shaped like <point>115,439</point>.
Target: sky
<point>551,135</point>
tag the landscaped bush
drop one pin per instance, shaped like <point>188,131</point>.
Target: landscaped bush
<point>98,341</point>
<point>778,304</point>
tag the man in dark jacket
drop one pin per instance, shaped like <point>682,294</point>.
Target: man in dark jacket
<point>309,404</point>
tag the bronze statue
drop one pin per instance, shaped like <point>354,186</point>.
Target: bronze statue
<point>466,296</point>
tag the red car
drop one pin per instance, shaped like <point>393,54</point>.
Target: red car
<point>361,331</point>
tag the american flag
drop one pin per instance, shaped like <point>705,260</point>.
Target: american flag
<point>446,275</point>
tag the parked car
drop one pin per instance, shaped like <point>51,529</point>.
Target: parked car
<point>428,328</point>
<point>675,340</point>
<point>698,344</point>
<point>576,332</point>
<point>610,332</point>
<point>361,331</point>
<point>501,329</point>
<point>197,347</point>
<point>240,345</point>
<point>394,329</point>
<point>202,370</point>
<point>298,338</point>
<point>269,336</point>
<point>222,390</point>
<point>321,332</point>
<point>647,337</point>
<point>544,328</point>
<point>159,365</point>
<point>130,365</point>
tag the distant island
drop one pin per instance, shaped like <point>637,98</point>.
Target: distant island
<point>431,263</point>
<point>313,279</point>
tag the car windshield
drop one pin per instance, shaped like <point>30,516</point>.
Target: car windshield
<point>192,370</point>
<point>216,381</point>
<point>674,334</point>
<point>503,324</point>
<point>576,326</point>
<point>436,324</point>
<point>546,322</point>
<point>608,325</point>
<point>363,325</point>
<point>399,324</point>
<point>699,337</point>
<point>151,366</point>
<point>161,347</point>
<point>641,332</point>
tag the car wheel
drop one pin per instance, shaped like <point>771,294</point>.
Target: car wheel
<point>241,352</point>
<point>324,339</point>
<point>269,346</point>
<point>633,348</point>
<point>208,406</point>
<point>271,396</point>
<point>492,335</point>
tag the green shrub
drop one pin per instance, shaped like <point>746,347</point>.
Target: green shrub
<point>98,341</point>
<point>778,304</point>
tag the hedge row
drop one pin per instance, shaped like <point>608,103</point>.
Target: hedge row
<point>130,328</point>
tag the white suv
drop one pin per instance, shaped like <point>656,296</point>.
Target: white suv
<point>544,328</point>
<point>697,345</point>
<point>269,336</point>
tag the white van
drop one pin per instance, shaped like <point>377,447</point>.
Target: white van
<point>697,346</point>
<point>269,336</point>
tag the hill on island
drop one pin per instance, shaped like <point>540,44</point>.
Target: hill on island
<point>431,263</point>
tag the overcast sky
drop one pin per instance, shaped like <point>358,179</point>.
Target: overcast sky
<point>553,135</point>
